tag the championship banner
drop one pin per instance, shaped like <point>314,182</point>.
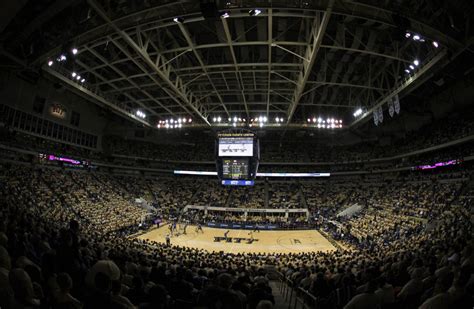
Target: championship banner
<point>396,104</point>
<point>380,112</point>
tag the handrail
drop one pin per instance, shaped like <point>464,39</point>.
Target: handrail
<point>297,297</point>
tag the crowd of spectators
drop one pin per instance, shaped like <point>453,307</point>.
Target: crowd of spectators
<point>54,255</point>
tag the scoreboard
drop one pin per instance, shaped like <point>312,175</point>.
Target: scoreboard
<point>237,157</point>
<point>235,169</point>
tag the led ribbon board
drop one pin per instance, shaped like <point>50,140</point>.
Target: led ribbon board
<point>289,175</point>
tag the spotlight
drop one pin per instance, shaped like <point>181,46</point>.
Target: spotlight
<point>435,44</point>
<point>74,51</point>
<point>62,58</point>
<point>416,37</point>
<point>235,119</point>
<point>214,119</point>
<point>73,74</point>
<point>78,77</point>
<point>180,125</point>
<point>357,113</point>
<point>320,120</point>
<point>225,14</point>
<point>178,20</point>
<point>411,66</point>
<point>83,80</point>
<point>234,124</point>
<point>277,119</point>
<point>255,12</point>
<point>261,124</point>
<point>190,120</point>
<point>218,119</point>
<point>407,71</point>
<point>407,35</point>
<point>309,120</point>
<point>264,118</point>
<point>416,62</point>
<point>314,119</point>
<point>50,63</point>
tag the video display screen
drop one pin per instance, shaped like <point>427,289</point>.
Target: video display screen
<point>235,147</point>
<point>235,169</point>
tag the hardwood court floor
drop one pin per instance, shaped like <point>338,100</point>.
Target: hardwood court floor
<point>268,241</point>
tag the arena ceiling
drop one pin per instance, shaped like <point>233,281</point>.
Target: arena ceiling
<point>294,60</point>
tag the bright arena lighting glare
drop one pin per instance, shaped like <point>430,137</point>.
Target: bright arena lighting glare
<point>78,77</point>
<point>416,37</point>
<point>407,71</point>
<point>358,112</point>
<point>178,20</point>
<point>73,74</point>
<point>50,63</point>
<point>62,58</point>
<point>140,114</point>
<point>255,12</point>
<point>407,35</point>
<point>314,119</point>
<point>225,15</point>
<point>83,80</point>
<point>435,44</point>
<point>74,51</point>
<point>218,119</point>
<point>411,67</point>
<point>416,62</point>
<point>214,119</point>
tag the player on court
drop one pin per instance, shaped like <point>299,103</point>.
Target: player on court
<point>199,228</point>
<point>225,234</point>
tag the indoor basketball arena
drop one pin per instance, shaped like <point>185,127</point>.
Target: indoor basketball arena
<point>236,154</point>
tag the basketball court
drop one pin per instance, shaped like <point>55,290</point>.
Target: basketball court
<point>238,240</point>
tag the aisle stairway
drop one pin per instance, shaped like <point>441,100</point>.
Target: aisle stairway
<point>280,302</point>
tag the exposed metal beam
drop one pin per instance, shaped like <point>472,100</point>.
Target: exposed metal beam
<point>269,42</point>
<point>95,97</point>
<point>317,33</point>
<point>264,43</point>
<point>176,85</point>
<point>191,44</point>
<point>403,86</point>
<point>98,56</point>
<point>238,75</point>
